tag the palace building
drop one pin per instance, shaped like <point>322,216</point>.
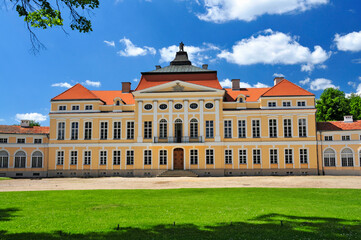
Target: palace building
<point>180,118</point>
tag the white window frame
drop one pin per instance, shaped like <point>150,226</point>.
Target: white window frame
<point>287,129</point>
<point>88,106</point>
<point>347,156</point>
<point>273,158</point>
<point>346,138</point>
<point>117,130</point>
<point>272,104</point>
<point>300,101</point>
<point>163,128</point>
<point>147,157</point>
<point>256,127</point>
<point>305,127</point>
<point>76,130</point>
<point>258,156</point>
<point>75,105</point>
<point>328,138</point>
<point>89,129</point>
<point>193,128</point>
<point>193,108</point>
<point>103,157</point>
<point>209,157</point>
<point>63,131</point>
<point>73,162</point>
<point>163,157</point>
<point>129,157</point>
<point>87,160</point>
<point>20,138</point>
<point>35,141</point>
<point>60,159</point>
<point>288,155</point>
<point>242,156</point>
<point>228,129</point>
<point>209,129</point>
<point>61,106</point>
<point>329,156</point>
<point>148,129</point>
<point>242,128</point>
<point>228,156</point>
<point>4,140</point>
<point>273,128</point>
<point>130,130</point>
<point>303,156</point>
<point>146,105</point>
<point>117,158</point>
<point>193,156</point>
<point>285,103</point>
<point>102,130</point>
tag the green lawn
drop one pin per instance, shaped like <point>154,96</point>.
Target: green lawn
<point>247,213</point>
<point>4,178</point>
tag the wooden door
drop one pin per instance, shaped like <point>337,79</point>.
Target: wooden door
<point>178,159</point>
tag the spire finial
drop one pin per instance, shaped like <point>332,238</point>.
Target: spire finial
<point>181,47</point>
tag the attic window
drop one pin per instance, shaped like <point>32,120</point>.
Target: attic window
<point>240,100</point>
<point>117,103</point>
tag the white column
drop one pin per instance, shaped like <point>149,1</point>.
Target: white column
<point>201,124</point>
<point>217,127</point>
<point>186,118</point>
<point>140,109</point>
<point>155,118</point>
<point>170,123</point>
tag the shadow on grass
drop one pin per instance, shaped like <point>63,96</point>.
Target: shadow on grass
<point>263,227</point>
<point>7,213</point>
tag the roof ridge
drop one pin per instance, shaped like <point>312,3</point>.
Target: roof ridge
<point>285,80</point>
<point>78,84</point>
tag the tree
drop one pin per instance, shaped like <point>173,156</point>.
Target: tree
<point>332,105</point>
<point>33,123</point>
<point>47,13</point>
<point>355,106</point>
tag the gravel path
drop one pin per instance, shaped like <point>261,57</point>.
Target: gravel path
<point>352,182</point>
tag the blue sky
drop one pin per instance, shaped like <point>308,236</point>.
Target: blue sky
<point>313,43</point>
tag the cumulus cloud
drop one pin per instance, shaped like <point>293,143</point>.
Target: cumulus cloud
<point>109,43</point>
<point>278,75</point>
<point>270,47</point>
<point>226,83</point>
<point>62,84</point>
<point>135,80</point>
<point>349,42</point>
<point>197,55</point>
<point>132,51</point>
<point>321,84</point>
<point>306,81</point>
<point>2,120</point>
<point>220,11</point>
<point>37,117</point>
<point>91,83</point>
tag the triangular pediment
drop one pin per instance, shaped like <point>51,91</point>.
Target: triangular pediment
<point>178,86</point>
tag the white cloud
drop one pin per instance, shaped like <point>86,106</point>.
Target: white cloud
<point>110,44</point>
<point>220,11</point>
<point>352,84</point>
<point>349,42</point>
<point>321,84</point>
<point>37,117</point>
<point>226,83</point>
<point>269,47</point>
<point>357,60</point>
<point>135,80</point>
<point>62,84</point>
<point>2,120</point>
<point>278,75</point>
<point>132,51</point>
<point>306,81</point>
<point>197,55</point>
<point>91,83</point>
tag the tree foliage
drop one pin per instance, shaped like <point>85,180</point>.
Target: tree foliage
<point>45,14</point>
<point>355,106</point>
<point>33,123</point>
<point>332,105</point>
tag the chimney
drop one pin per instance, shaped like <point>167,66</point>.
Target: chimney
<point>126,87</point>
<point>235,84</point>
<point>205,66</point>
<point>25,123</point>
<point>277,80</point>
<point>348,119</point>
<point>158,67</point>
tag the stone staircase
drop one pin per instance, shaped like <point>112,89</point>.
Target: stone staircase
<point>177,173</point>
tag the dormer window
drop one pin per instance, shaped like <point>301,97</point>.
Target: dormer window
<point>117,103</point>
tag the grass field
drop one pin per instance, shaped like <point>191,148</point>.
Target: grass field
<point>247,213</point>
<point>4,178</point>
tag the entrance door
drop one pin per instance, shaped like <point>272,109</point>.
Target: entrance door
<point>178,132</point>
<point>178,159</point>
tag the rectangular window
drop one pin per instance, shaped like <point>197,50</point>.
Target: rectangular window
<point>163,129</point>
<point>272,104</point>
<point>256,156</point>
<point>227,129</point>
<point>346,138</point>
<point>228,156</point>
<point>328,138</point>
<point>60,158</point>
<point>4,160</point>
<point>148,129</point>
<point>209,156</point>
<point>273,156</point>
<point>116,157</point>
<point>287,128</point>
<point>87,157</point>
<point>117,130</point>
<point>75,107</point>
<point>194,156</point>
<point>301,104</point>
<point>88,130</point>
<point>163,157</point>
<point>61,130</point>
<point>286,104</point>
<point>21,140</point>
<point>3,140</point>
<point>130,130</point>
<point>303,156</point>
<point>73,157</point>
<point>103,130</point>
<point>147,157</point>
<point>302,128</point>
<point>241,128</point>
<point>256,128</point>
<point>88,107</point>
<point>38,141</point>
<point>209,129</point>
<point>74,130</point>
<point>103,158</point>
<point>62,108</point>
<point>242,156</point>
<point>272,124</point>
<point>194,128</point>
<point>288,156</point>
<point>130,157</point>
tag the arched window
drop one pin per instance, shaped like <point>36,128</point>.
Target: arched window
<point>347,158</point>
<point>4,159</point>
<point>178,121</point>
<point>117,103</point>
<point>194,128</point>
<point>329,158</point>
<point>20,159</point>
<point>37,160</point>
<point>163,128</point>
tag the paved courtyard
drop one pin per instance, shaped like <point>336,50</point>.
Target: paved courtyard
<point>167,183</point>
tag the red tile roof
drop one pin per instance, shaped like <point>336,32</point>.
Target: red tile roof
<point>252,94</point>
<point>78,91</point>
<point>338,126</point>
<point>108,96</point>
<point>286,88</point>
<point>203,79</point>
<point>21,130</point>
